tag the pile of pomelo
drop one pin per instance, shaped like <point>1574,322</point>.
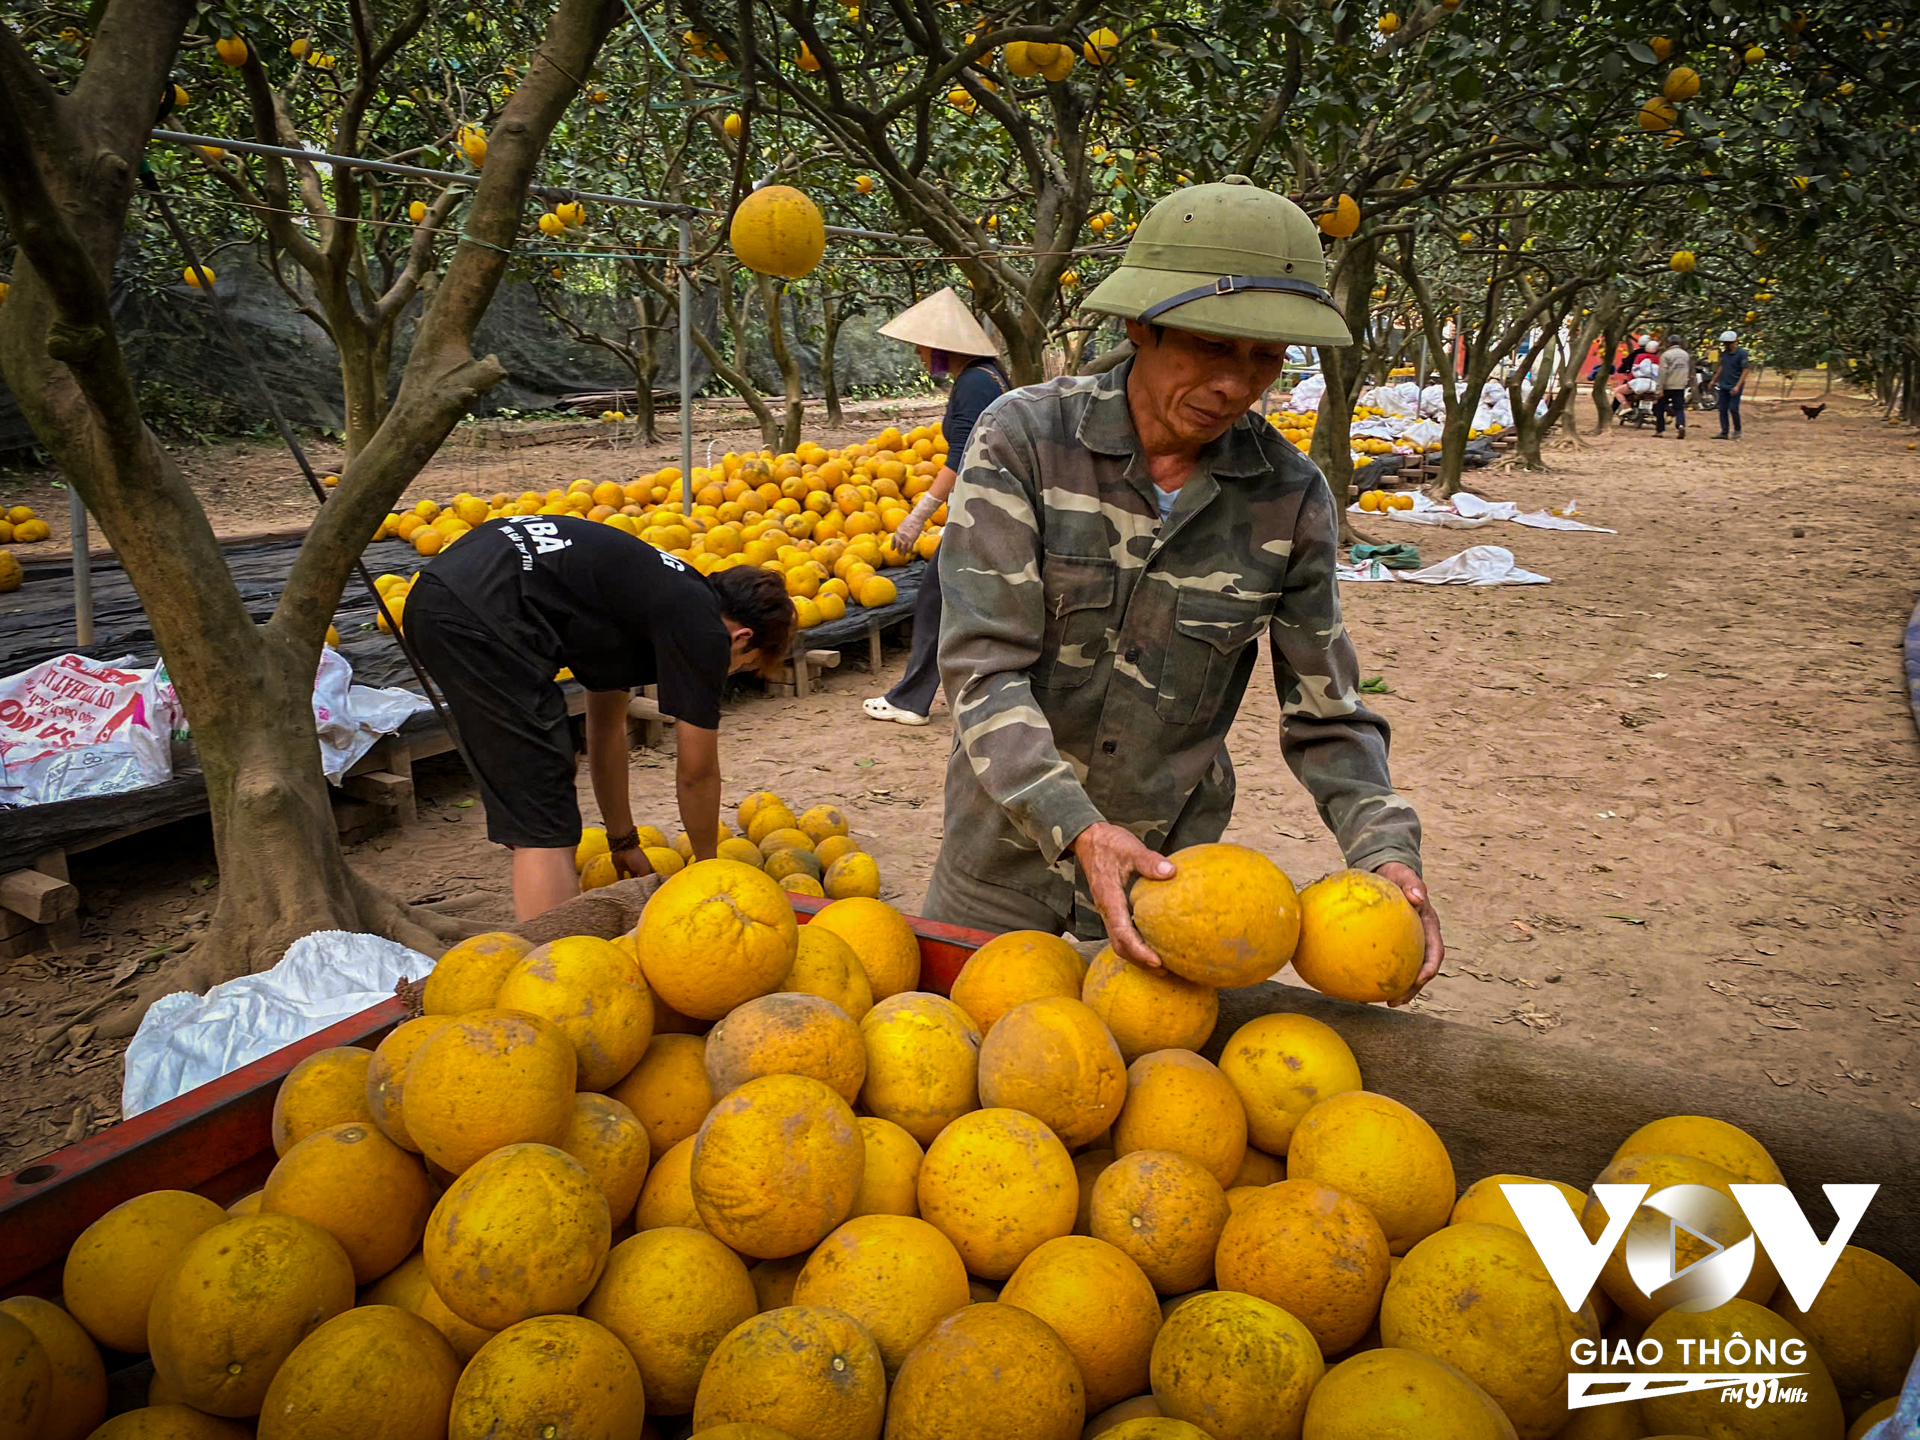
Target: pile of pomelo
<point>20,525</point>
<point>812,853</point>
<point>735,1177</point>
<point>822,519</point>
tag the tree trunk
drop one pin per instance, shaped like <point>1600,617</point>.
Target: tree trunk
<point>739,373</point>
<point>1344,367</point>
<point>246,687</point>
<point>648,369</point>
<point>789,367</point>
<point>363,382</point>
<point>831,317</point>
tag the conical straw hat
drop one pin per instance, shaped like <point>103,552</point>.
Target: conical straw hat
<point>940,322</point>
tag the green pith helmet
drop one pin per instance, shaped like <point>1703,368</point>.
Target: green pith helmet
<point>1228,259</point>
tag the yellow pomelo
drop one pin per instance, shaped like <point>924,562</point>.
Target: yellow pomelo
<point>170,1422</point>
<point>751,806</point>
<point>715,936</point>
<point>465,1339</point>
<point>359,1187</point>
<point>1477,1297</point>
<point>825,965</point>
<point>522,1233</point>
<point>804,1369</point>
<point>896,1275</point>
<point>776,1165</point>
<point>668,1090</point>
<point>998,1184</point>
<point>1088,1166</point>
<point>1152,1427</point>
<point>922,1063</point>
<point>1359,937</point>
<point>236,1302</point>
<point>833,847</point>
<point>1100,1304</point>
<point>1257,1168</point>
<point>671,1295</point>
<point>387,1076</point>
<point>611,1145</point>
<point>114,1265</point>
<point>786,1034</point>
<point>329,1087</point>
<point>773,1280</point>
<point>1283,1065</point>
<point>376,1371</point>
<point>744,851</point>
<point>1228,915</point>
<point>1053,1059</point>
<point>1314,1252</point>
<point>1177,1101</point>
<point>770,817</point>
<point>467,976</point>
<point>666,1198</point>
<point>1401,1392</point>
<point>1818,1417</point>
<point>405,1285</point>
<point>1235,1365</point>
<point>854,876</point>
<point>1383,1155</point>
<point>1166,1212</point>
<point>551,1376</point>
<point>890,1182</point>
<point>1862,1323</point>
<point>26,1381</point>
<point>822,822</point>
<point>1485,1203</point>
<point>1658,1172</point>
<point>595,994</point>
<point>1705,1138</point>
<point>486,1079</point>
<point>77,1378</point>
<point>1148,1010</point>
<point>990,1369</point>
<point>1009,969</point>
<point>881,937</point>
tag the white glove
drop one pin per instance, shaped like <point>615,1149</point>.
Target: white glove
<point>916,521</point>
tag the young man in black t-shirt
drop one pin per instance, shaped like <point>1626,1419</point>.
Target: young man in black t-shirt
<point>519,599</point>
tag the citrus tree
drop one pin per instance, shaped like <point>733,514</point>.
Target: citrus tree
<point>75,139</point>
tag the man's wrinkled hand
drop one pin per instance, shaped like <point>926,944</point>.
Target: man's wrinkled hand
<point>1415,890</point>
<point>1110,856</point>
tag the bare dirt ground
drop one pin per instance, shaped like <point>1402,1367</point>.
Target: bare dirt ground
<point>1671,801</point>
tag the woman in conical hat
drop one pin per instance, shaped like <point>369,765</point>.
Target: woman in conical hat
<point>950,342</point>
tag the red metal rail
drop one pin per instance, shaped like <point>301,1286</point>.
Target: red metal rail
<point>217,1138</point>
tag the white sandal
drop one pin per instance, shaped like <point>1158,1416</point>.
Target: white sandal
<point>879,708</point>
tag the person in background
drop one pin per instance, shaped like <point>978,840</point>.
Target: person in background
<point>1676,371</point>
<point>499,615</point>
<point>1729,382</point>
<point>950,342</point>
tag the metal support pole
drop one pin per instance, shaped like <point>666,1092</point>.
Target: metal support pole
<point>686,364</point>
<point>82,570</point>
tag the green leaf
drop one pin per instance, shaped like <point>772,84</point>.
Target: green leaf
<point>1643,52</point>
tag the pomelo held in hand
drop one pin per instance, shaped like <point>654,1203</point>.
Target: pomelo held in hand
<point>1360,939</point>
<point>1229,916</point>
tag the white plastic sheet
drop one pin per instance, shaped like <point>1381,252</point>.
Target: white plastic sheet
<point>72,727</point>
<point>1476,565</point>
<point>186,1040</point>
<point>1306,395</point>
<point>349,717</point>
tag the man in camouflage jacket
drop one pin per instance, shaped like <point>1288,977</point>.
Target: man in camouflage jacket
<point>1118,544</point>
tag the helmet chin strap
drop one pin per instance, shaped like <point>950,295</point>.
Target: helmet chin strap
<point>1233,284</point>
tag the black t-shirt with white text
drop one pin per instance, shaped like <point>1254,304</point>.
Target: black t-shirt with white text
<point>574,593</point>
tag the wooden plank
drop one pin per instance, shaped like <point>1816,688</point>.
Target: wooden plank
<point>41,898</point>
<point>873,648</point>
<point>74,825</point>
<point>379,787</point>
<point>823,659</point>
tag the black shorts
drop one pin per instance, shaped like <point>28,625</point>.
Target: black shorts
<point>512,718</point>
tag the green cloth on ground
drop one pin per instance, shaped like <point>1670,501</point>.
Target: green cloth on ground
<point>1394,557</point>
